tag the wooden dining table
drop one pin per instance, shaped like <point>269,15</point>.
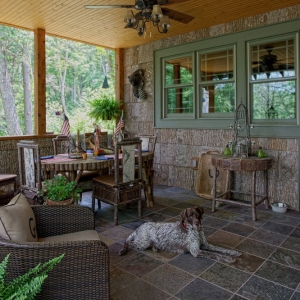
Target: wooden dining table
<point>73,169</point>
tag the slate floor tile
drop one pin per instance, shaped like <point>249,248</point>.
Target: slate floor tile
<point>226,277</point>
<point>190,264</point>
<point>296,233</point>
<point>278,228</point>
<point>286,257</point>
<point>214,222</point>
<point>247,262</point>
<point>224,238</point>
<point>268,236</point>
<point>238,228</point>
<point>292,243</point>
<point>280,274</point>
<point>140,289</point>
<point>139,264</point>
<point>257,248</point>
<point>258,288</point>
<point>296,296</point>
<point>226,215</point>
<point>202,290</point>
<point>169,278</point>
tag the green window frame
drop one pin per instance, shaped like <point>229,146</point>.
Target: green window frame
<point>241,42</point>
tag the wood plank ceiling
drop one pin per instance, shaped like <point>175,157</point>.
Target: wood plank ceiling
<point>105,27</point>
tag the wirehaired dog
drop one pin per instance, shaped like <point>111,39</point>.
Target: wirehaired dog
<point>183,236</point>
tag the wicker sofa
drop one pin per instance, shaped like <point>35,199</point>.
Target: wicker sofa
<point>83,273</point>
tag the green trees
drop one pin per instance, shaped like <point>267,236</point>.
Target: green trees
<point>74,75</point>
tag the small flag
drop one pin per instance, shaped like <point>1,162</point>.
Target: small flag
<point>65,128</point>
<point>119,126</point>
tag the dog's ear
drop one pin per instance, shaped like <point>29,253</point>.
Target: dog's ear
<point>185,214</point>
<point>200,210</point>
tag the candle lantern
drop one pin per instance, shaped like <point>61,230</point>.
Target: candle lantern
<point>241,141</point>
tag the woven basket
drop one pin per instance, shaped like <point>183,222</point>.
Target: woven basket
<point>204,182</point>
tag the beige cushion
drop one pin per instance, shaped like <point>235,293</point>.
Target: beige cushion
<point>17,221</point>
<point>86,235</point>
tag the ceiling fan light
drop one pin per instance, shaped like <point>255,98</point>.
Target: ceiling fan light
<point>129,17</point>
<point>165,22</point>
<point>156,11</point>
<point>141,25</point>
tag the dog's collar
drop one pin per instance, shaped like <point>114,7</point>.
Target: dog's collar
<point>185,226</point>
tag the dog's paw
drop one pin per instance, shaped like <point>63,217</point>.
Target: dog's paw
<point>228,259</point>
<point>236,253</point>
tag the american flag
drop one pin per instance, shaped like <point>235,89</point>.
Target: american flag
<point>65,128</point>
<point>119,126</point>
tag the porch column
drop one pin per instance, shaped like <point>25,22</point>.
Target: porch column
<point>39,82</point>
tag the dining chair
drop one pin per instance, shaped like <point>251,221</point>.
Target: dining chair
<point>30,170</point>
<point>60,144</point>
<point>148,144</point>
<point>125,184</point>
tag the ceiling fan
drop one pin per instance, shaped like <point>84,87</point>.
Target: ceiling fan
<point>269,62</point>
<point>146,7</point>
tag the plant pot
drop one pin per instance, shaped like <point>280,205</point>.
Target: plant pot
<point>63,202</point>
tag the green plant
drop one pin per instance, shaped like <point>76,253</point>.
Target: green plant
<point>59,189</point>
<point>105,108</point>
<point>28,285</point>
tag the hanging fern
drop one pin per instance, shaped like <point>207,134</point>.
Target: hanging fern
<point>27,286</point>
<point>105,108</point>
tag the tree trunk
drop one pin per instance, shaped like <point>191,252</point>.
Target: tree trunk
<point>12,120</point>
<point>27,92</point>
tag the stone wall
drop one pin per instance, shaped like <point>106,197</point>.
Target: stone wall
<point>176,147</point>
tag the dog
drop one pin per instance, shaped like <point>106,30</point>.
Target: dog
<point>183,236</point>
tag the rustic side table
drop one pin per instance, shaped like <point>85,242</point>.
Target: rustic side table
<point>7,187</point>
<point>235,164</point>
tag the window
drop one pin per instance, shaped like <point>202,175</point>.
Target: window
<point>200,84</point>
<point>217,81</point>
<point>273,81</point>
<point>179,90</point>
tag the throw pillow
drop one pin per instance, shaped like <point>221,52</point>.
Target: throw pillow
<point>17,221</point>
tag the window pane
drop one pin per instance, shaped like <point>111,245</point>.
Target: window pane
<point>273,60</point>
<point>217,66</point>
<point>274,100</point>
<point>218,98</point>
<point>179,71</point>
<point>180,100</point>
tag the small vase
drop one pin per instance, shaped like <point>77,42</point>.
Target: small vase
<point>63,202</point>
<point>227,151</point>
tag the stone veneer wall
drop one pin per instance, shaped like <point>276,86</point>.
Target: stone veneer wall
<point>176,147</point>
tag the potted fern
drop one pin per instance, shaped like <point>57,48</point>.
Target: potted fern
<point>58,191</point>
<point>28,285</point>
<point>104,108</point>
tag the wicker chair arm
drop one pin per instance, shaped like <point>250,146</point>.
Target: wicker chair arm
<point>83,273</point>
<point>56,220</point>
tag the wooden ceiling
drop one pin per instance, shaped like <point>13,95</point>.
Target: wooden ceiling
<point>105,27</point>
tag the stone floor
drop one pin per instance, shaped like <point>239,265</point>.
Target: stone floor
<point>269,267</point>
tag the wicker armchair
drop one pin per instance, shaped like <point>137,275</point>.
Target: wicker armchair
<point>83,273</point>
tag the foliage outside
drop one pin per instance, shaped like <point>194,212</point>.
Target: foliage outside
<point>74,75</point>
<point>27,286</point>
<point>59,189</point>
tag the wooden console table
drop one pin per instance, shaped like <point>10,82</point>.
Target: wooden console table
<point>236,164</point>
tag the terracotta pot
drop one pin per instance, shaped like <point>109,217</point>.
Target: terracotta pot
<point>63,202</point>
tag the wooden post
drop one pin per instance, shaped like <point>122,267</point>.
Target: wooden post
<point>119,88</point>
<point>39,82</point>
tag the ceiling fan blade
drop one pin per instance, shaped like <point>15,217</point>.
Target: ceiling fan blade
<point>170,2</point>
<point>177,16</point>
<point>108,6</point>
